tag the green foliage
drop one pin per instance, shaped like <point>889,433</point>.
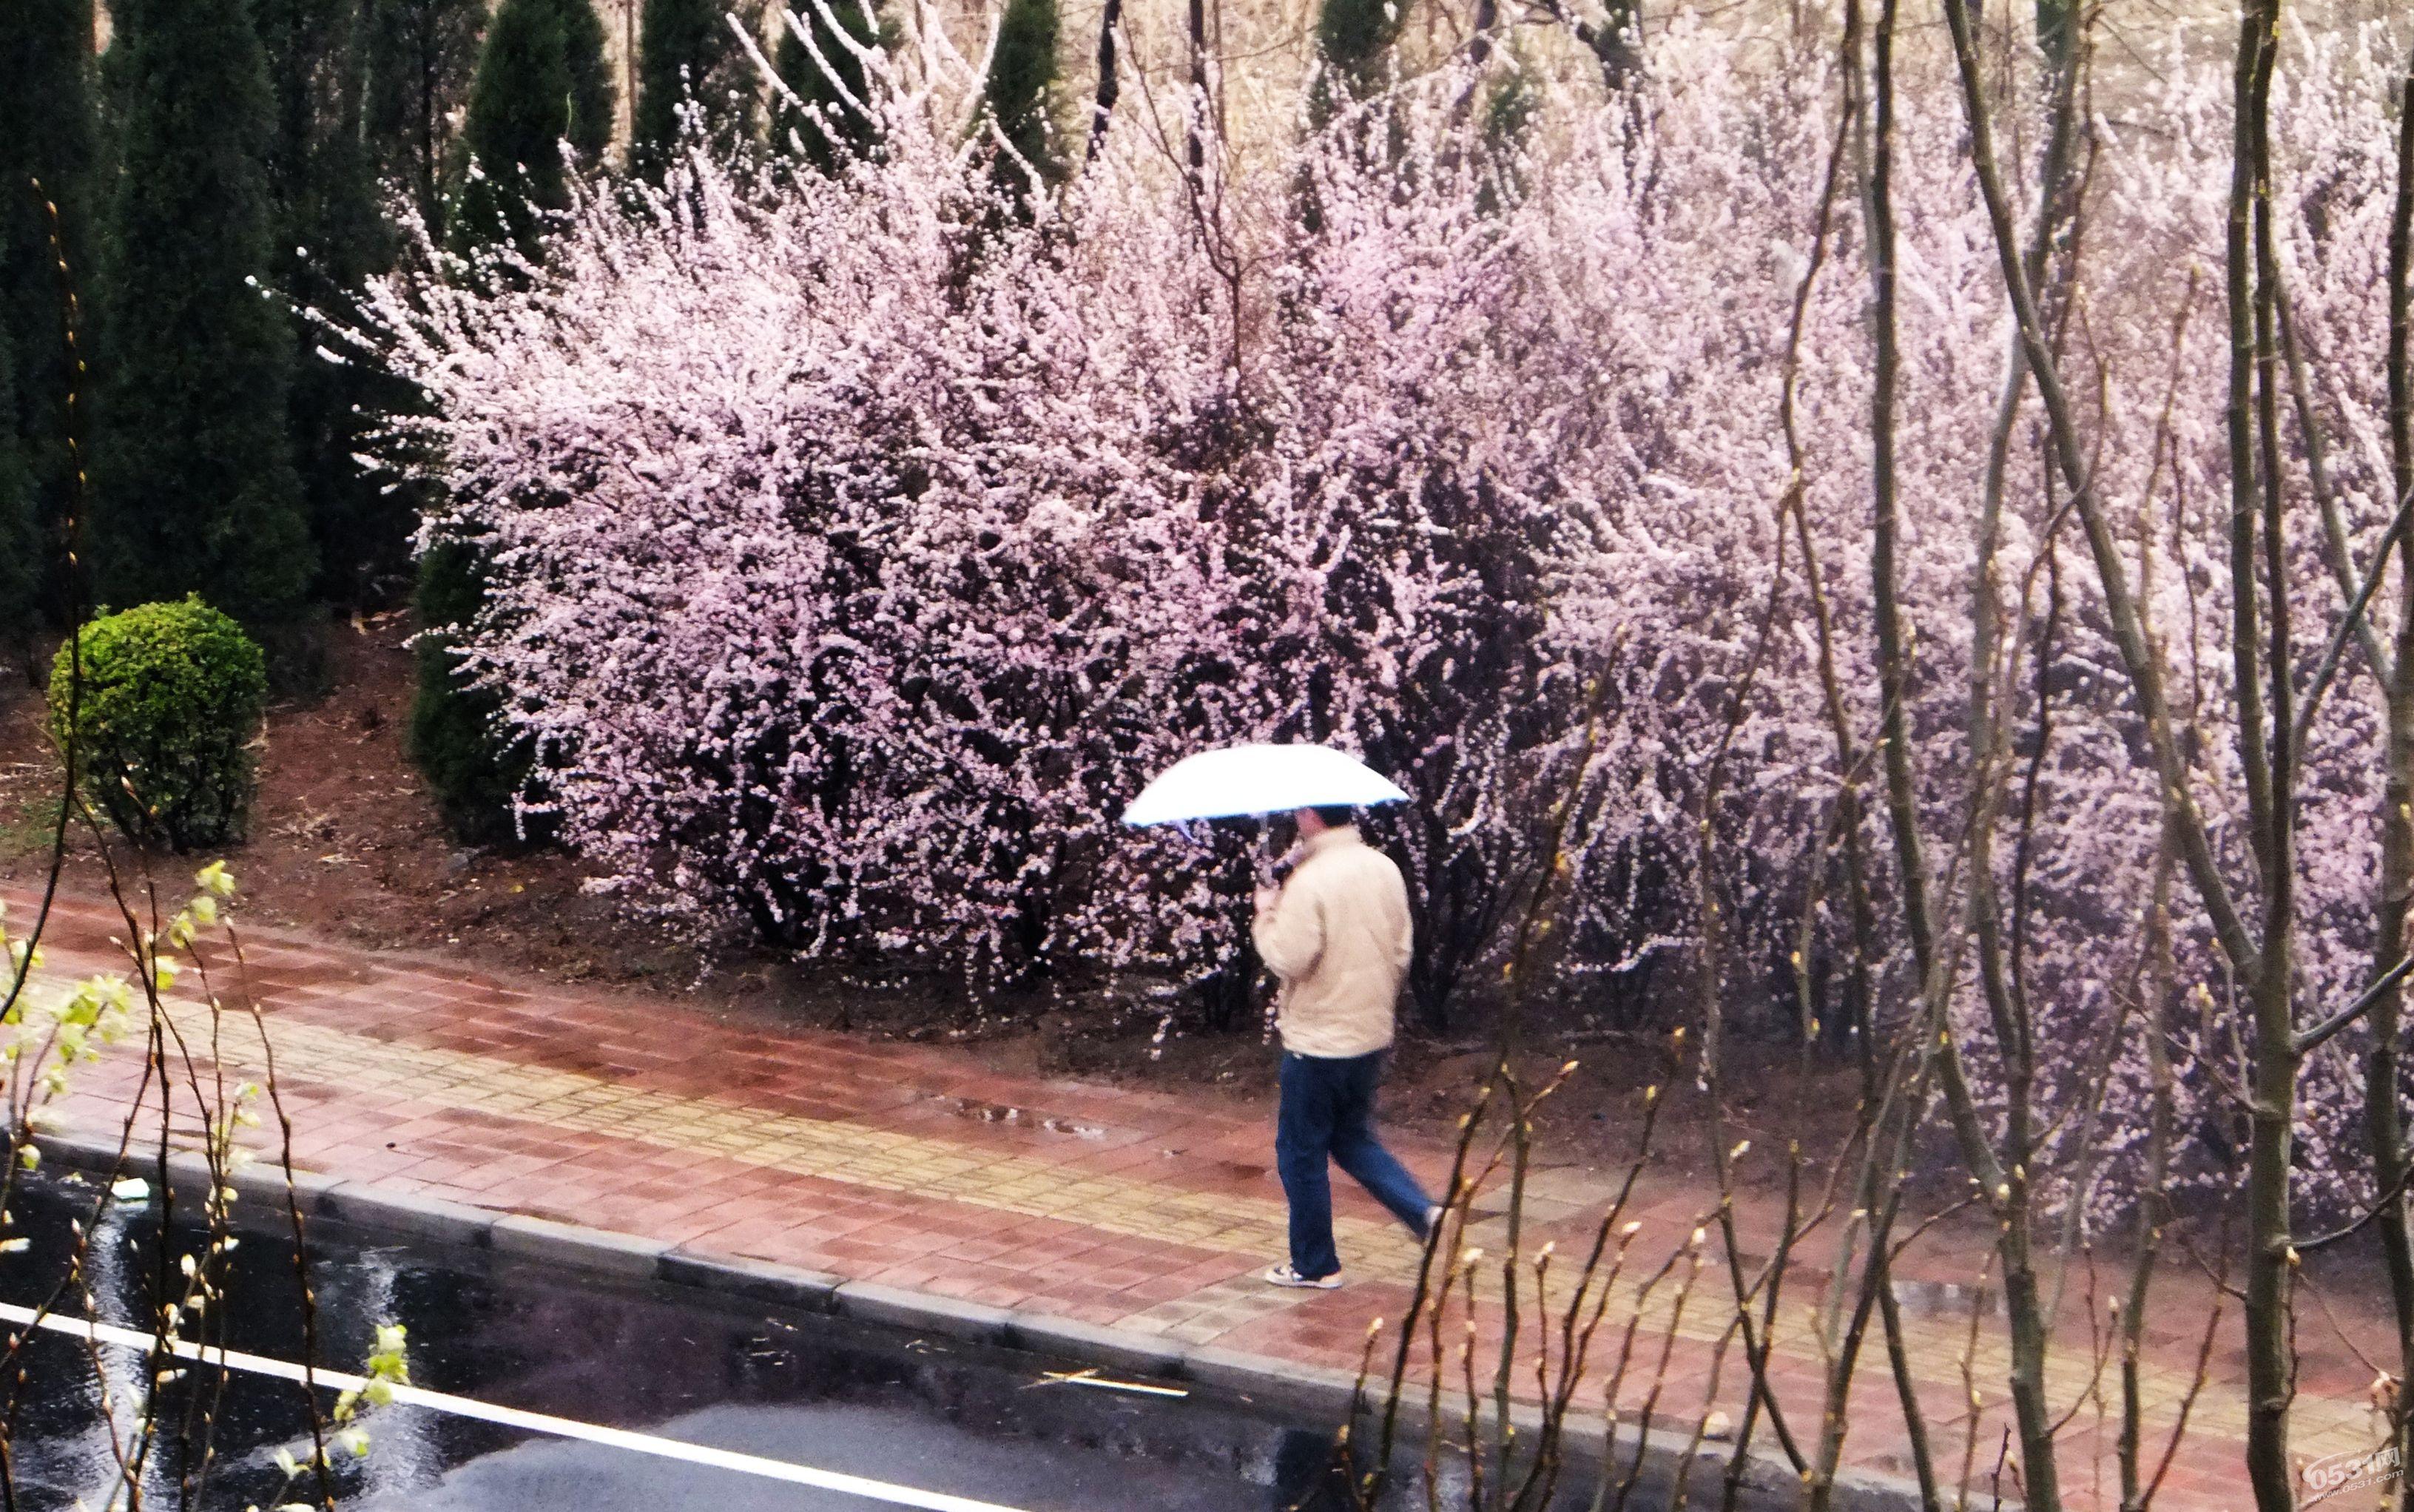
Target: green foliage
<point>2056,26</point>
<point>171,699</point>
<point>1618,42</point>
<point>322,179</point>
<point>1510,102</point>
<point>330,237</point>
<point>451,736</point>
<point>21,539</point>
<point>1353,45</point>
<point>542,80</point>
<point>194,485</point>
<point>48,132</point>
<point>419,55</point>
<point>1018,94</point>
<point>685,48</point>
<point>590,129</point>
<point>813,86</point>
<point>1353,48</point>
<point>29,827</point>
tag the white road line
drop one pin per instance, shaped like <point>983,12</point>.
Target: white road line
<point>568,1428</point>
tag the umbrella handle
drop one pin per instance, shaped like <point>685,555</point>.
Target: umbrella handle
<point>1273,870</point>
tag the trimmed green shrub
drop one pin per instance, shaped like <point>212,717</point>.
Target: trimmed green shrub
<point>171,699</point>
<point>453,740</point>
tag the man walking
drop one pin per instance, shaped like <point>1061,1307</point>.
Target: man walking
<point>1337,934</point>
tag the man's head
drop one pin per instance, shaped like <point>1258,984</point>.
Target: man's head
<point>1325,816</point>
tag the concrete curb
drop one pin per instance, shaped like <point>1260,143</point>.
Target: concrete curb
<point>1770,1485</point>
<point>756,1280</point>
<point>540,1239</point>
<point>1125,1350</point>
<point>410,1214</point>
<point>949,1317</point>
<point>1311,1389</point>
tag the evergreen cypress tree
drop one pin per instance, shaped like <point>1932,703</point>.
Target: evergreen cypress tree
<point>2056,30</point>
<point>842,130</point>
<point>451,735</point>
<point>48,132</point>
<point>21,536</point>
<point>1353,58</point>
<point>1352,36</point>
<point>330,237</point>
<point>514,128</point>
<point>685,49</point>
<point>590,80</point>
<point>1353,47</point>
<point>589,131</point>
<point>542,80</point>
<point>1618,42</point>
<point>1512,100</point>
<point>194,487</point>
<point>421,55</point>
<point>1019,92</point>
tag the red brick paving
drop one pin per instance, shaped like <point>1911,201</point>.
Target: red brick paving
<point>915,1166</point>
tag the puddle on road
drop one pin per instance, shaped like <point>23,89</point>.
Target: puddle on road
<point>1942,1299</point>
<point>1915,1299</point>
<point>979,1112</point>
<point>848,1397</point>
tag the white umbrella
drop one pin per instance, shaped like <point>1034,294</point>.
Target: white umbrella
<point>1258,779</point>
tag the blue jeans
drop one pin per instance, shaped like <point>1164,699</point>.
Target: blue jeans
<point>1328,1111</point>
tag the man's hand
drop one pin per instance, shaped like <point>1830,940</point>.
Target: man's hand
<point>1265,899</point>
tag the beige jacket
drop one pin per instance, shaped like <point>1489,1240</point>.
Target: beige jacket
<point>1339,937</point>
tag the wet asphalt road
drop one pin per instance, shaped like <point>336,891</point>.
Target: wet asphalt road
<point>664,1360</point>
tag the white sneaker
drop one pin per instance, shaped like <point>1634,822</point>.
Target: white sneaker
<point>1284,1275</point>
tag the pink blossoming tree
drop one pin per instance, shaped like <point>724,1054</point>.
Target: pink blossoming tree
<point>1922,551</point>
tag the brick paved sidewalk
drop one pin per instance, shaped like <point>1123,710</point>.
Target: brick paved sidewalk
<point>913,1167</point>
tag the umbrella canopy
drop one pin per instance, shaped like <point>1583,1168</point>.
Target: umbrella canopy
<point>1258,779</point>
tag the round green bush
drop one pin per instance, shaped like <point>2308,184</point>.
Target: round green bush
<point>171,699</point>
